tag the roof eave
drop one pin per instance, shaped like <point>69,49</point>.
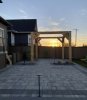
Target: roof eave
<point>3,21</point>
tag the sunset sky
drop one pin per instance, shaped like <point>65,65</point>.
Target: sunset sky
<point>51,15</point>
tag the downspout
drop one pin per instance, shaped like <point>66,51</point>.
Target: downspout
<point>8,58</point>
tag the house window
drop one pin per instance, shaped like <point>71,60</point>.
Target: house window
<point>2,40</point>
<point>29,40</point>
<point>12,39</point>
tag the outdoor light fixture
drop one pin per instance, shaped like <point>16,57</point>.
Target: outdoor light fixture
<point>1,1</point>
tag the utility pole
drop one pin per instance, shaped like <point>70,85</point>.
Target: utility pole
<point>76,30</point>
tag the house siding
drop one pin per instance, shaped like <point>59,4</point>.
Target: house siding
<point>5,34</point>
<point>2,54</point>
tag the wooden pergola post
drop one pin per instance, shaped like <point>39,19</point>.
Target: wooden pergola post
<point>63,48</point>
<point>70,48</point>
<point>36,47</point>
<point>32,48</point>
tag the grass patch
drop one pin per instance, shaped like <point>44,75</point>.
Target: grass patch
<point>80,62</point>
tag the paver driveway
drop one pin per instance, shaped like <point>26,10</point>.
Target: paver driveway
<point>56,80</point>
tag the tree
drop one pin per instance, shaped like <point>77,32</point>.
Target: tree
<point>1,1</point>
<point>67,45</point>
<point>84,45</point>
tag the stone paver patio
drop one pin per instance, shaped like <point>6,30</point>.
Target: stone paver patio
<point>56,80</point>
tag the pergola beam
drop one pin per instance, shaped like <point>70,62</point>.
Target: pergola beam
<point>60,39</point>
<point>49,37</point>
<point>53,32</point>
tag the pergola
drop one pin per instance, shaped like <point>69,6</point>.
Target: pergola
<point>35,36</point>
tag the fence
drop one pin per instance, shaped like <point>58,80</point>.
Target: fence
<point>49,52</point>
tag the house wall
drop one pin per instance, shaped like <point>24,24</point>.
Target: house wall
<point>2,54</point>
<point>5,34</point>
<point>21,39</point>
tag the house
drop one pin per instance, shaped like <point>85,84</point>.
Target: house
<point>15,39</point>
<point>3,41</point>
<point>19,37</point>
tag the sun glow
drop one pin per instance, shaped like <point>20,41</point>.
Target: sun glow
<point>54,43</point>
<point>50,42</point>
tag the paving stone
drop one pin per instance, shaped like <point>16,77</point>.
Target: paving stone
<point>53,77</point>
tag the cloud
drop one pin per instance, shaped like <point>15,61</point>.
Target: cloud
<point>49,29</point>
<point>54,23</point>
<point>51,24</point>
<point>83,12</point>
<point>23,13</point>
<point>43,28</point>
<point>62,19</point>
<point>50,18</point>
